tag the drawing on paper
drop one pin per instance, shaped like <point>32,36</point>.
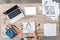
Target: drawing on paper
<point>49,10</point>
<point>28,27</point>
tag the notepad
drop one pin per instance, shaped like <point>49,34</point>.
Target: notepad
<point>50,29</point>
<point>30,10</point>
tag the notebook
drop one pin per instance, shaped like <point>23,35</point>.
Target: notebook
<point>14,14</point>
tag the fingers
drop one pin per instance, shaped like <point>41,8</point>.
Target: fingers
<point>21,27</point>
<point>34,34</point>
<point>9,26</point>
<point>21,30</point>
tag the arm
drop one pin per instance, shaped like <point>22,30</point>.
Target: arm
<point>21,33</point>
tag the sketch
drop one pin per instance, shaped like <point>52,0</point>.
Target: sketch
<point>50,10</point>
<point>28,27</point>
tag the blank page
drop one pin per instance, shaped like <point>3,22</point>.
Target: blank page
<point>50,29</point>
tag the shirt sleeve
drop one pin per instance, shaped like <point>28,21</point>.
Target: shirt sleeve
<point>21,38</point>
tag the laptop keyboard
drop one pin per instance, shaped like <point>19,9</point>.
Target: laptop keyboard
<point>14,13</point>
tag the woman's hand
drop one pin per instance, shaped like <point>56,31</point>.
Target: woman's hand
<point>21,31</point>
<point>35,36</point>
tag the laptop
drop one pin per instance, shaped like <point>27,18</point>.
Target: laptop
<point>14,14</point>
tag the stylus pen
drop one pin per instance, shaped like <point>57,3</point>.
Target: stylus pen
<point>16,27</point>
<point>30,37</point>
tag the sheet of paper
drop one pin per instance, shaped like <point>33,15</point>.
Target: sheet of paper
<point>51,10</point>
<point>30,10</point>
<point>28,27</point>
<point>50,29</point>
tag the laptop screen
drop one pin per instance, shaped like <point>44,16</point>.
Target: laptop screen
<point>11,9</point>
